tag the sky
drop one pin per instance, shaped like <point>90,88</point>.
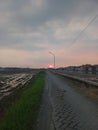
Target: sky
<point>30,29</point>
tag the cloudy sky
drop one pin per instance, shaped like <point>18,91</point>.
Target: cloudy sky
<point>29,29</point>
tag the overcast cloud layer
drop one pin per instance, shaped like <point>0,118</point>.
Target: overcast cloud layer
<point>29,29</point>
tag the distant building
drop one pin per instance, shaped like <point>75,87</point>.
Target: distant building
<point>90,69</point>
<point>87,69</point>
<point>96,69</point>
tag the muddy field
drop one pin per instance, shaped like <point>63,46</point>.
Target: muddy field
<point>9,82</point>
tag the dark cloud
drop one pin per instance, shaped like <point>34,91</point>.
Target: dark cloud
<point>31,24</point>
<point>26,15</point>
<point>54,9</point>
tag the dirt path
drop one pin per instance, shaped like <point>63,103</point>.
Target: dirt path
<point>45,117</point>
<point>64,108</point>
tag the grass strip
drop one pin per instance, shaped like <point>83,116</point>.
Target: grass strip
<point>23,114</point>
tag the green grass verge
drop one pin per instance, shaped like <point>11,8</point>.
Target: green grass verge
<point>23,114</point>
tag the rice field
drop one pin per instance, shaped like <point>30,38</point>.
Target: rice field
<point>10,82</point>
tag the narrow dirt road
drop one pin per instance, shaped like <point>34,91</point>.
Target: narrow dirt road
<point>64,108</point>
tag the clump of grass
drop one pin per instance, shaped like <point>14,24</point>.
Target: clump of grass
<point>23,114</point>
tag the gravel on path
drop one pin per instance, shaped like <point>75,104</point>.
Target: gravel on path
<point>65,108</point>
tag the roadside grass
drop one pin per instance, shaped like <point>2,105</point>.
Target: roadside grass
<point>22,115</point>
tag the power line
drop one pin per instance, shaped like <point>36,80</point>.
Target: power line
<point>84,29</point>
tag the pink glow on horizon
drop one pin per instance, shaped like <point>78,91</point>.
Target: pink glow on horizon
<point>50,66</point>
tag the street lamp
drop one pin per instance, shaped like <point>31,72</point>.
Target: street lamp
<point>53,57</point>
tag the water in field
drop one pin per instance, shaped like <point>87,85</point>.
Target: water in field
<point>11,82</point>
